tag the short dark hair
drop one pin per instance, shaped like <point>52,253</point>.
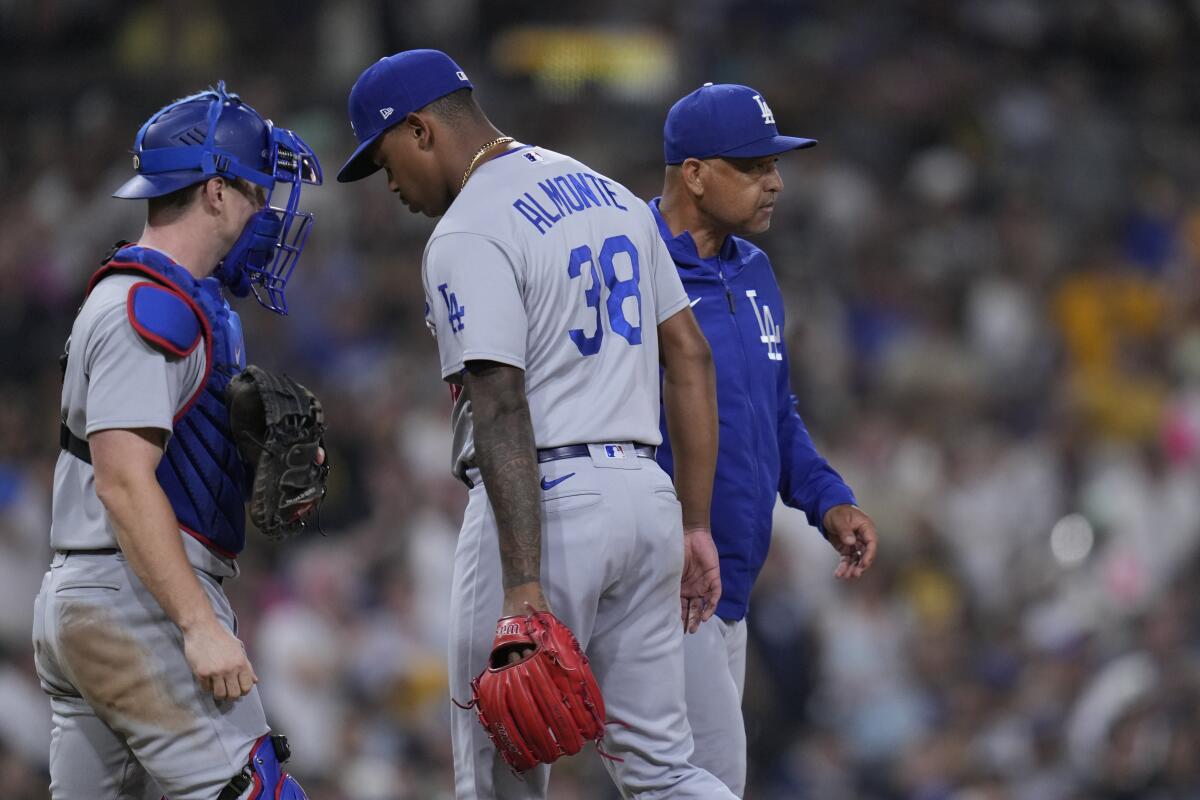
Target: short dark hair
<point>457,108</point>
<point>168,207</point>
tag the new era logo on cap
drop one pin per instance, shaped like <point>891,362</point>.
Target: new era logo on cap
<point>394,87</point>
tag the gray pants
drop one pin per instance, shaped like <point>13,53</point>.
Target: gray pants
<point>130,720</point>
<point>612,556</point>
<point>715,668</point>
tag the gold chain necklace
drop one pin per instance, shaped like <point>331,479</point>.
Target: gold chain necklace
<point>479,154</point>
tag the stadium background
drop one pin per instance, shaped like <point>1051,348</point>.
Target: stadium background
<point>990,263</point>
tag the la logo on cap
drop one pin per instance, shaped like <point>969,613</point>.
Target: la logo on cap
<point>767,115</point>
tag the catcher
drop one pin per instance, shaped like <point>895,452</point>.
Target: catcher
<point>135,640</point>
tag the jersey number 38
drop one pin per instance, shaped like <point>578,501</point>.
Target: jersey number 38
<point>619,290</point>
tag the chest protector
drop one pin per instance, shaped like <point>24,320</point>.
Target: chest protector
<point>201,472</point>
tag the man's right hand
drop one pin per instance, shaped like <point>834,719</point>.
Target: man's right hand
<point>521,601</point>
<point>524,599</point>
<point>218,660</point>
<point>125,462</point>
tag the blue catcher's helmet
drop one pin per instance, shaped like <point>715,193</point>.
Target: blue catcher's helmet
<point>213,133</point>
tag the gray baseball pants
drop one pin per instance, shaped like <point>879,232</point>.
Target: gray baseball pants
<point>612,557</point>
<point>715,670</point>
<point>130,719</point>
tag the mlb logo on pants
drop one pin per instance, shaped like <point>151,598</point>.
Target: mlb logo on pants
<point>614,451</point>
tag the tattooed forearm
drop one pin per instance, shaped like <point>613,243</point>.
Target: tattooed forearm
<point>507,459</point>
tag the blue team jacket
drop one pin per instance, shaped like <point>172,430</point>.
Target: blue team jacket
<point>765,449</point>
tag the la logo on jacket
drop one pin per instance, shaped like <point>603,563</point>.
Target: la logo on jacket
<point>770,333</point>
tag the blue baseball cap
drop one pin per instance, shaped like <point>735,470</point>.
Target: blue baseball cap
<point>389,90</point>
<point>727,120</point>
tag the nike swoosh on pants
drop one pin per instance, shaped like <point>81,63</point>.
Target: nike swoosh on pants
<point>547,485</point>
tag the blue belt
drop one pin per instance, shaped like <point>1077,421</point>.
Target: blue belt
<point>571,451</point>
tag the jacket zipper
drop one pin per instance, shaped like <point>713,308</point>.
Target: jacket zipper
<point>746,364</point>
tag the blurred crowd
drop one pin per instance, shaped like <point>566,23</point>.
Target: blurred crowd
<point>990,264</point>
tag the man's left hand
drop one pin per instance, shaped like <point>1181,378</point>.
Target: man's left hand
<point>700,587</point>
<point>852,534</point>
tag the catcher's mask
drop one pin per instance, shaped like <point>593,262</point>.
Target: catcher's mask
<point>213,133</point>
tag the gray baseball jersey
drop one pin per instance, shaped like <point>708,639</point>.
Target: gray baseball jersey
<point>545,265</point>
<point>130,719</point>
<point>115,379</point>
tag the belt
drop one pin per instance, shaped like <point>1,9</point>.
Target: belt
<point>580,450</point>
<point>112,551</point>
<point>570,451</point>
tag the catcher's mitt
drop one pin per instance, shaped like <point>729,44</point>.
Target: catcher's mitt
<point>277,425</point>
<point>541,708</point>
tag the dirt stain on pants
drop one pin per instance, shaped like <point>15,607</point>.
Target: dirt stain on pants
<point>114,672</point>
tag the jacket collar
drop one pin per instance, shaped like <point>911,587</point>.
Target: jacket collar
<point>683,247</point>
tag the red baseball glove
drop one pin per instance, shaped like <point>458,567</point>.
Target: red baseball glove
<point>541,708</point>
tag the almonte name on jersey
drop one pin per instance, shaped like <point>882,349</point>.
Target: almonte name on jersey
<point>571,193</point>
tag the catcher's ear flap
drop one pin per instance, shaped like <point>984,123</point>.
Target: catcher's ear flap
<point>247,415</point>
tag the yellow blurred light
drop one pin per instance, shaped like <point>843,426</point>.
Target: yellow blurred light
<point>633,63</point>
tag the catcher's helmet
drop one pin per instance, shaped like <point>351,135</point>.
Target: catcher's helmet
<point>207,134</point>
<point>213,133</point>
